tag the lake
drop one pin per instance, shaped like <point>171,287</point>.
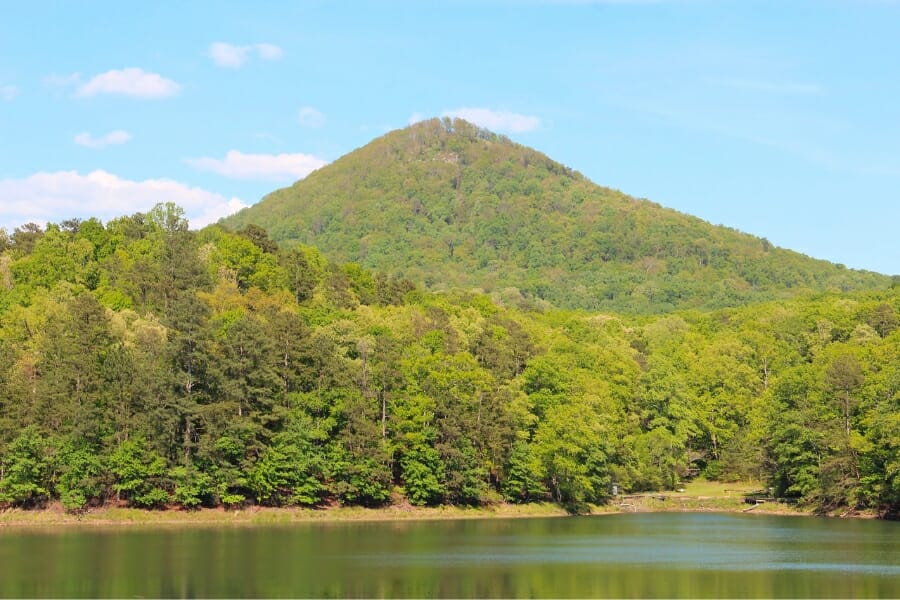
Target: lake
<point>630,555</point>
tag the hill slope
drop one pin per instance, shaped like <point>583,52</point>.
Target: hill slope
<point>449,204</point>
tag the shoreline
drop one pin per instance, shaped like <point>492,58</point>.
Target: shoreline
<point>54,516</point>
<point>262,515</point>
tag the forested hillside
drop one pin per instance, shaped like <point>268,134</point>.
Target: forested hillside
<point>144,363</point>
<point>451,205</point>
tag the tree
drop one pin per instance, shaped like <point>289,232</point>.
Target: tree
<point>245,375</point>
<point>503,347</point>
<point>139,474</point>
<point>290,470</point>
<point>523,475</point>
<point>725,384</point>
<point>360,460</point>
<point>72,351</point>
<point>572,446</point>
<point>884,319</point>
<point>25,238</point>
<point>245,262</point>
<point>189,349</point>
<point>25,470</point>
<point>259,237</point>
<point>80,473</point>
<point>174,246</point>
<point>843,378</point>
<point>192,486</point>
<point>421,466</point>
<point>303,266</point>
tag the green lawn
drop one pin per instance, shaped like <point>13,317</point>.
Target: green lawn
<point>718,489</point>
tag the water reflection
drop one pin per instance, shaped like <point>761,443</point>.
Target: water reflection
<point>661,555</point>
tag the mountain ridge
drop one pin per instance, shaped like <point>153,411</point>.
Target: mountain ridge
<point>450,204</point>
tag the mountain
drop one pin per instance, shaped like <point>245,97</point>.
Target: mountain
<point>449,204</point>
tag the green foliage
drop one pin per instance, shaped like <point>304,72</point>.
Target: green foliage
<point>25,470</point>
<point>79,475</point>
<point>361,480</point>
<point>524,474</point>
<point>570,444</point>
<point>192,486</point>
<point>421,467</point>
<point>304,269</point>
<point>289,471</point>
<point>451,205</point>
<point>139,473</point>
<point>259,237</point>
<point>212,368</point>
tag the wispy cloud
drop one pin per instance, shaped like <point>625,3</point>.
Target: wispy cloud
<point>772,87</point>
<point>133,82</point>
<point>269,51</point>
<point>61,83</point>
<point>268,137</point>
<point>45,196</point>
<point>414,118</point>
<point>881,167</point>
<point>496,120</point>
<point>113,138</point>
<point>232,56</point>
<point>56,80</point>
<point>310,117</point>
<point>266,167</point>
<point>8,92</point>
<point>780,132</point>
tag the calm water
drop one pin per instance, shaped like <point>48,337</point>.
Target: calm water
<point>643,555</point>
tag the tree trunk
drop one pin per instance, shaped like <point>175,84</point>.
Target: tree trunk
<point>383,415</point>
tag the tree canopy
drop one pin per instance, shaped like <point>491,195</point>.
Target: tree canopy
<point>144,363</point>
<point>449,205</point>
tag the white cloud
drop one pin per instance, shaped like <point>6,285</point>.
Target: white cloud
<point>496,120</point>
<point>215,212</point>
<point>234,57</point>
<point>269,51</point>
<point>414,118</point>
<point>60,195</point>
<point>227,55</point>
<point>268,167</point>
<point>133,82</point>
<point>113,138</point>
<point>770,87</point>
<point>310,117</point>
<point>8,92</point>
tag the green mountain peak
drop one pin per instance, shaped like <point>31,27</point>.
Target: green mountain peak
<point>449,204</point>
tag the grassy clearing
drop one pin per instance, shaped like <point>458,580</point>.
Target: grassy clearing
<point>718,489</point>
<point>703,495</point>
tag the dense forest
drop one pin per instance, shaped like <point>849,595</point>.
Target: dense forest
<point>145,363</point>
<point>450,205</point>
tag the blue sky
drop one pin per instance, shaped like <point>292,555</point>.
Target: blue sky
<point>777,118</point>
